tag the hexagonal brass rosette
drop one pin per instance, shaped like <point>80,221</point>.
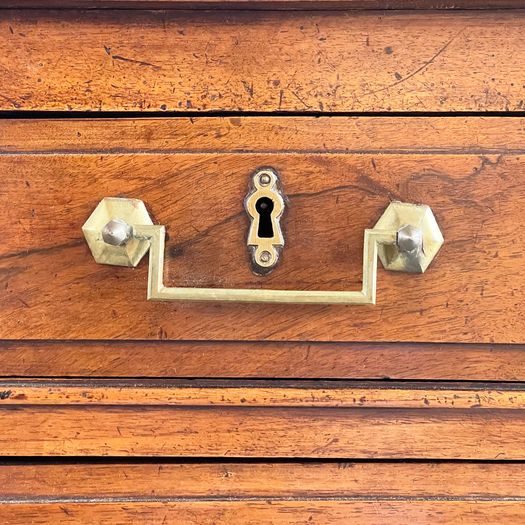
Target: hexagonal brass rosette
<point>418,237</point>
<point>109,231</point>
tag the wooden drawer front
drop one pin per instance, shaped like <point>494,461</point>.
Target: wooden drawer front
<point>259,359</point>
<point>338,184</point>
<point>302,61</point>
<point>262,420</point>
<point>281,493</point>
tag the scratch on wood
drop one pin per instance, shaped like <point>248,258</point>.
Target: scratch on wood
<point>419,69</point>
<point>133,61</point>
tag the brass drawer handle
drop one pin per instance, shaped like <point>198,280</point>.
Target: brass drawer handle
<point>120,232</point>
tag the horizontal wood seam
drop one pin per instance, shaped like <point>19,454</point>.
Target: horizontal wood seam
<point>15,501</point>
<point>207,383</point>
<point>415,151</point>
<point>369,345</point>
<point>265,6</point>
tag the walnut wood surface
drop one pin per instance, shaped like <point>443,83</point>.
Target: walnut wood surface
<point>41,482</point>
<point>262,419</point>
<point>340,173</point>
<point>266,4</point>
<point>262,493</point>
<point>262,61</point>
<point>265,134</point>
<point>263,432</point>
<point>473,292</point>
<point>263,393</point>
<point>262,360</point>
<point>340,512</point>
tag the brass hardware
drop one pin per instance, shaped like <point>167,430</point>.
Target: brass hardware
<point>406,238</point>
<point>113,219</point>
<point>117,232</point>
<point>264,205</point>
<point>418,237</point>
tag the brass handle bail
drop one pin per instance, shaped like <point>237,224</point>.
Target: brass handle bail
<point>120,232</point>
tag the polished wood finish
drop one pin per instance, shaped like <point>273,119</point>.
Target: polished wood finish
<point>257,61</point>
<point>264,480</point>
<point>267,4</point>
<point>262,420</point>
<point>263,394</point>
<point>61,315</point>
<point>472,293</point>
<point>265,134</point>
<point>263,432</point>
<point>376,512</point>
<point>262,360</point>
<point>262,493</point>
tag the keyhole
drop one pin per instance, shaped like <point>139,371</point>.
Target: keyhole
<point>264,207</point>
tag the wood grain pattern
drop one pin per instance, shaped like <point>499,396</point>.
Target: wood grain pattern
<point>262,432</point>
<point>263,394</point>
<point>266,419</point>
<point>376,512</point>
<point>262,360</point>
<point>266,4</point>
<point>339,173</point>
<point>207,61</point>
<point>473,292</point>
<point>334,134</point>
<point>262,493</point>
<point>137,481</point>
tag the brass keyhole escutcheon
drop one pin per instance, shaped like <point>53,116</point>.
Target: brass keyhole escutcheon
<point>264,205</point>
